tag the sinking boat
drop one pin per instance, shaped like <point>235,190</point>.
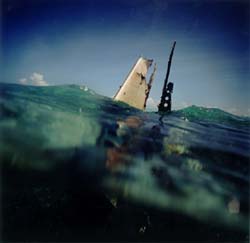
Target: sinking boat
<point>135,89</point>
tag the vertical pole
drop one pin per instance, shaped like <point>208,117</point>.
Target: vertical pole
<point>165,105</point>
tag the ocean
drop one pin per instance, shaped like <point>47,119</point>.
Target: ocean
<point>78,166</point>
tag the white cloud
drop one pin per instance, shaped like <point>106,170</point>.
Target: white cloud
<point>35,79</point>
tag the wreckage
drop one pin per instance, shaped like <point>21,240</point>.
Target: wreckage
<point>135,90</point>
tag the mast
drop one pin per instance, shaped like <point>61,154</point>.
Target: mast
<point>151,79</point>
<point>165,104</point>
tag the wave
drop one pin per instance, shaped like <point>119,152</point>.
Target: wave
<point>192,162</point>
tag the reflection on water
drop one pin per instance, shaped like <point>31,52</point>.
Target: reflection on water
<point>75,163</point>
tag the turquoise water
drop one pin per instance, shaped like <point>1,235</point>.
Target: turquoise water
<point>78,166</point>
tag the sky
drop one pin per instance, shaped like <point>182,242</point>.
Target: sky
<point>96,42</point>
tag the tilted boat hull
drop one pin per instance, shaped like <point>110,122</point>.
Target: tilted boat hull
<point>134,90</point>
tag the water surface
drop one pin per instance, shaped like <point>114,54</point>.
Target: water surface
<point>78,166</point>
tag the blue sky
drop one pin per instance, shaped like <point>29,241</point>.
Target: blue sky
<point>96,42</point>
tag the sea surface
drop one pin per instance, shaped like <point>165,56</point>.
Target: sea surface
<point>78,166</point>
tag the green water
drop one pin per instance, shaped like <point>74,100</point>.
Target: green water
<point>78,166</point>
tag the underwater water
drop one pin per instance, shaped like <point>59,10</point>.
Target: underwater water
<point>78,166</point>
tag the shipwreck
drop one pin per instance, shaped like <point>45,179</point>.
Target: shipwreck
<point>135,89</point>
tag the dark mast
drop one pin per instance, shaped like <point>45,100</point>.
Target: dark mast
<point>165,105</point>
